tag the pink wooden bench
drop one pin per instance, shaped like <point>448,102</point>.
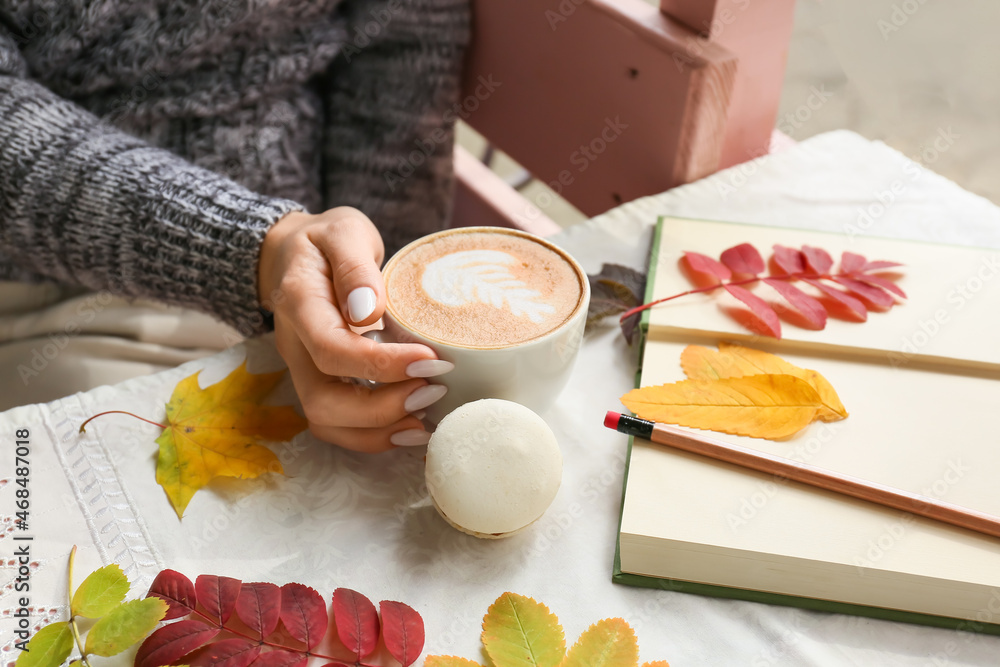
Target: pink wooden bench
<point>610,100</point>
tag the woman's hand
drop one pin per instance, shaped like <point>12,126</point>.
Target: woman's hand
<point>319,273</point>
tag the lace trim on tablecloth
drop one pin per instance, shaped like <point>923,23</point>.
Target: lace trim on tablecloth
<point>117,530</point>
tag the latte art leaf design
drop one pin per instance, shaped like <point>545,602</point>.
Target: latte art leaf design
<point>482,276</point>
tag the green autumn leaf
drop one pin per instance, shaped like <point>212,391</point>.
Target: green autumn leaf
<point>50,646</point>
<point>519,632</point>
<point>99,593</point>
<point>449,661</point>
<point>124,626</point>
<point>607,643</point>
<point>76,663</point>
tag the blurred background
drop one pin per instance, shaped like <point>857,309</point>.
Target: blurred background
<point>900,71</point>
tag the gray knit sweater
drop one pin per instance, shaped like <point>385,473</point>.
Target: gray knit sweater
<point>146,146</point>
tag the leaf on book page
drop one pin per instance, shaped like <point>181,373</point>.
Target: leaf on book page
<point>702,363</point>
<point>759,406</point>
<point>607,643</point>
<point>808,306</point>
<point>769,324</point>
<point>705,264</point>
<point>519,632</point>
<point>743,258</point>
<point>789,260</point>
<point>818,260</point>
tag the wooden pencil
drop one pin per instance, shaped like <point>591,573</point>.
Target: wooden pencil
<point>785,468</point>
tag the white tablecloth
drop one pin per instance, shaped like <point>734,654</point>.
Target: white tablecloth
<point>344,519</point>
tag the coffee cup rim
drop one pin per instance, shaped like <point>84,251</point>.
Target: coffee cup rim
<point>580,273</point>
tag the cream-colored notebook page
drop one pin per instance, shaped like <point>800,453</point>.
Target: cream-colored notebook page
<point>690,518</point>
<point>951,315</point>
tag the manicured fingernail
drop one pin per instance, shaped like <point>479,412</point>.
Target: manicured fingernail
<point>361,303</point>
<point>428,368</point>
<point>411,437</point>
<point>424,396</point>
<point>420,414</point>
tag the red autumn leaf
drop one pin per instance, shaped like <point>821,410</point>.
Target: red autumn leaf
<point>705,264</point>
<point>172,642</point>
<point>743,258</point>
<point>402,631</point>
<point>789,259</point>
<point>303,612</point>
<point>881,282</point>
<point>357,621</point>
<point>880,265</point>
<point>852,262</point>
<point>281,659</point>
<point>259,606</point>
<point>810,307</point>
<point>855,306</point>
<point>819,260</point>
<point>236,652</point>
<point>217,595</point>
<point>177,591</point>
<point>873,295</point>
<point>337,664</point>
<point>768,318</point>
<point>811,265</point>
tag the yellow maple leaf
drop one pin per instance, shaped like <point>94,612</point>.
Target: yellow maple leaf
<point>774,406</point>
<point>608,643</point>
<point>449,661</point>
<point>701,363</point>
<point>519,632</point>
<point>214,432</point>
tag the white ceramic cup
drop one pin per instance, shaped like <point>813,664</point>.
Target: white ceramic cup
<point>531,373</point>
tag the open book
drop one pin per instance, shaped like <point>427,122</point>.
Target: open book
<point>922,385</point>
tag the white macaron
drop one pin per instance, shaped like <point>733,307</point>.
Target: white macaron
<point>493,468</point>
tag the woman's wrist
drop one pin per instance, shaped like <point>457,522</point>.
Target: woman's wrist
<point>269,264</point>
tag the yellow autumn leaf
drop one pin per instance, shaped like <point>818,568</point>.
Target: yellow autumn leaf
<point>607,643</point>
<point>760,406</point>
<point>657,663</point>
<point>449,661</point>
<point>519,632</point>
<point>214,432</point>
<point>702,363</point>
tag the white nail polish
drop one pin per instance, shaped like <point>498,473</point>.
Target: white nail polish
<point>424,396</point>
<point>420,414</point>
<point>361,303</point>
<point>428,368</point>
<point>412,437</point>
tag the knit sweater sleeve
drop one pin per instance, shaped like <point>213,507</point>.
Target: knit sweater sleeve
<point>392,102</point>
<point>83,203</point>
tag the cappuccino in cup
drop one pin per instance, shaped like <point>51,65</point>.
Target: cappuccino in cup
<point>482,289</point>
<point>506,307</point>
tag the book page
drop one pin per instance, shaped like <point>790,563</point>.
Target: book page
<point>951,316</point>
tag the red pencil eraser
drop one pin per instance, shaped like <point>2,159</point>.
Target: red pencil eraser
<point>611,420</point>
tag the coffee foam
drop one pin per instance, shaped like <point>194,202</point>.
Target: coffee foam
<point>481,289</point>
